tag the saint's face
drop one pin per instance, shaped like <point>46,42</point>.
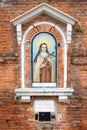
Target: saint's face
<point>43,48</point>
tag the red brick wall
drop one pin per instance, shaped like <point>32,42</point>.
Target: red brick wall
<point>20,116</point>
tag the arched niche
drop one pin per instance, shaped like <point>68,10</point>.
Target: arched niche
<point>64,57</point>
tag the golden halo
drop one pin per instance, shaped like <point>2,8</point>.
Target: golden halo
<point>43,41</point>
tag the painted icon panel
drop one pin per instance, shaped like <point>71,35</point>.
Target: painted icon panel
<point>44,60</point>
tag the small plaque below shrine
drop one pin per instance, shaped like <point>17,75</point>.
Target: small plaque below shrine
<point>44,106</point>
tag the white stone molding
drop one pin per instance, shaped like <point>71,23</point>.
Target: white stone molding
<point>44,84</point>
<point>43,8</point>
<point>22,66</point>
<point>19,33</point>
<point>69,33</point>
<point>25,94</point>
<point>65,65</point>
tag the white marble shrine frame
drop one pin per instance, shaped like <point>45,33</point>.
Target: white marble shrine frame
<point>26,93</point>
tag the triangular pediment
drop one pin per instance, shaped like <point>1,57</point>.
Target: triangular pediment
<point>43,8</point>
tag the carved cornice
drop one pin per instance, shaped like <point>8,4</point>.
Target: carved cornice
<point>43,8</point>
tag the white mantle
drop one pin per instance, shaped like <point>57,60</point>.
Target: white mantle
<point>24,94</point>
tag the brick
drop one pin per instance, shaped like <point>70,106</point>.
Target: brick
<point>20,116</point>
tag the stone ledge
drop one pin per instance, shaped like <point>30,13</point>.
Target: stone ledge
<point>24,94</point>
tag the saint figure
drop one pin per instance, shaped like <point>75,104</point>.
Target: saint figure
<point>43,65</point>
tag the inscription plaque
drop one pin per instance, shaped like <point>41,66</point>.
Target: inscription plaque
<point>44,106</point>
